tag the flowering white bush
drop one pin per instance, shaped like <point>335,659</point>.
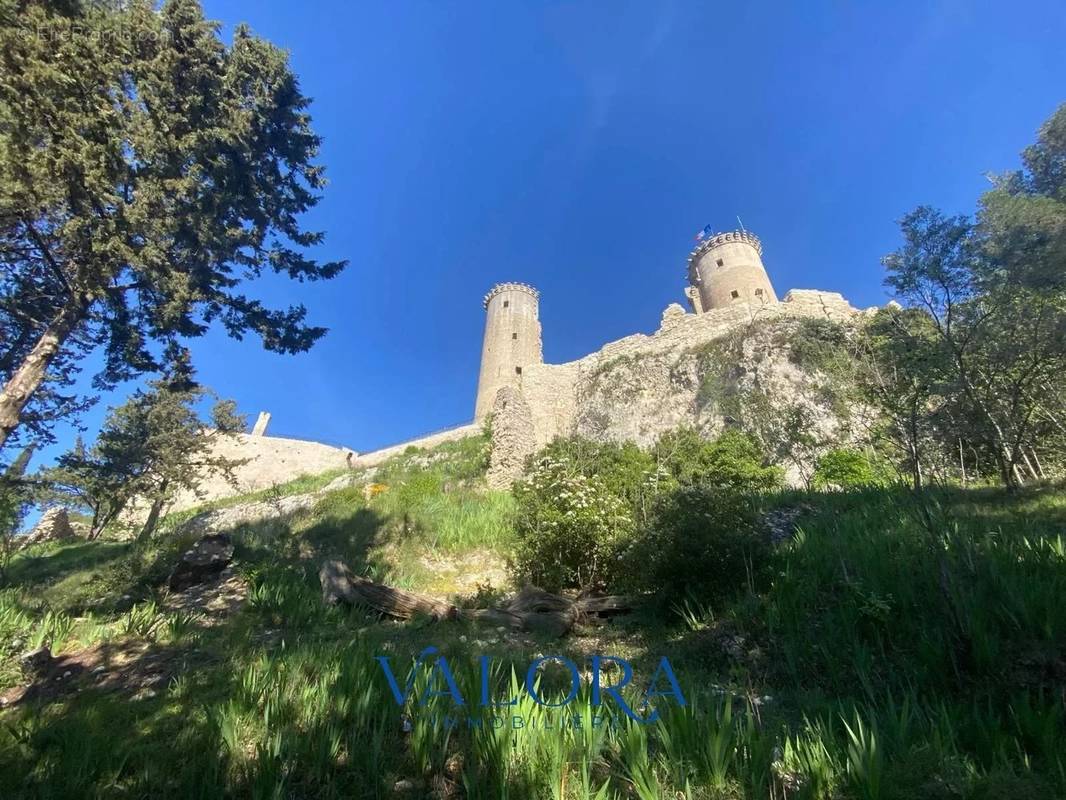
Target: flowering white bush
<point>570,527</point>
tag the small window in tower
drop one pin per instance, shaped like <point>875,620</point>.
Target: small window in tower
<point>506,303</point>
<point>517,370</point>
<point>720,263</point>
<point>758,292</point>
<point>734,294</point>
<point>515,335</point>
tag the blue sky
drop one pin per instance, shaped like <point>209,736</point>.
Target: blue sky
<point>579,146</point>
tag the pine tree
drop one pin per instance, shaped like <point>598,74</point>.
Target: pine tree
<point>149,448</point>
<point>149,174</point>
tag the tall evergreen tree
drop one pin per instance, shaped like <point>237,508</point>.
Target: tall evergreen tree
<point>149,448</point>
<point>148,175</point>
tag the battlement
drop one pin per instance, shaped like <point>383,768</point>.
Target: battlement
<point>725,238</point>
<point>509,287</point>
<point>727,268</point>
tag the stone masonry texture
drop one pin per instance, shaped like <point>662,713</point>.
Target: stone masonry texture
<point>512,341</point>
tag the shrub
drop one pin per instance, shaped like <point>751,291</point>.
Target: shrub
<point>570,528</point>
<point>623,469</point>
<point>701,545</point>
<point>731,461</point>
<point>821,345</point>
<point>845,469</point>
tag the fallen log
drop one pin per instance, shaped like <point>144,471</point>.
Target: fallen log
<point>340,583</point>
<point>532,609</point>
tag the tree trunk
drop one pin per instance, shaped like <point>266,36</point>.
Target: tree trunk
<point>153,515</point>
<point>1029,465</point>
<point>28,377</point>
<point>1036,460</point>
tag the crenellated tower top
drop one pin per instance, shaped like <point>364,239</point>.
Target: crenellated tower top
<point>509,287</point>
<point>726,268</point>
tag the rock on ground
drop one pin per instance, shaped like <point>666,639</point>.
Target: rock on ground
<point>201,562</point>
<point>221,519</point>
<point>54,525</point>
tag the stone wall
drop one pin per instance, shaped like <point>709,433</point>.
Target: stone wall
<point>431,440</point>
<point>275,460</point>
<point>270,460</point>
<point>513,437</point>
<point>638,387</point>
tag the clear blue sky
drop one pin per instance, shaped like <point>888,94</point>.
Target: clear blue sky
<point>579,146</point>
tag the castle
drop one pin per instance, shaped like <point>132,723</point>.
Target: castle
<point>630,389</point>
<point>724,270</point>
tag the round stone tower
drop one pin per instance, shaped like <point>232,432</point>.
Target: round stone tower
<point>727,268</point>
<point>512,341</point>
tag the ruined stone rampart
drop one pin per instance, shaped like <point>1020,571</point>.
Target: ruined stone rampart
<point>552,390</point>
<point>270,460</point>
<point>376,457</point>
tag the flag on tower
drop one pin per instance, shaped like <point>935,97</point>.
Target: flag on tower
<point>703,233</point>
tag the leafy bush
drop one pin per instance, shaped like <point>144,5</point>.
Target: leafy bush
<point>623,469</point>
<point>570,528</point>
<point>732,461</point>
<point>845,469</point>
<point>820,344</point>
<point>701,546</point>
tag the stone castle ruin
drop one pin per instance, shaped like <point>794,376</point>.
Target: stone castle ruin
<point>634,388</point>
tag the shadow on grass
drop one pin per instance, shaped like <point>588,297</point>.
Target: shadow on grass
<point>32,568</point>
<point>123,727</point>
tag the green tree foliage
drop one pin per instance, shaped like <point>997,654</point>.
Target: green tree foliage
<point>845,468</point>
<point>702,545</point>
<point>994,291</point>
<point>732,461</point>
<point>149,448</point>
<point>1005,343</point>
<point>597,513</point>
<point>902,372</point>
<point>149,174</point>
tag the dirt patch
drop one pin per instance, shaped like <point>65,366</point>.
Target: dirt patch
<point>464,574</point>
<point>214,600</point>
<point>136,668</point>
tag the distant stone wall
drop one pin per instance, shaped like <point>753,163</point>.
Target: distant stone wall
<point>432,440</point>
<point>652,386</point>
<point>271,460</point>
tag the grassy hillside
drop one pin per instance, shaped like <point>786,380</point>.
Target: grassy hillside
<point>899,649</point>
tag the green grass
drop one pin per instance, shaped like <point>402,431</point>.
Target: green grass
<point>302,484</point>
<point>903,650</point>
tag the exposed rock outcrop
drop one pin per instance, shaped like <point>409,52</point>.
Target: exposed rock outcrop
<point>54,525</point>
<point>201,562</point>
<point>732,366</point>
